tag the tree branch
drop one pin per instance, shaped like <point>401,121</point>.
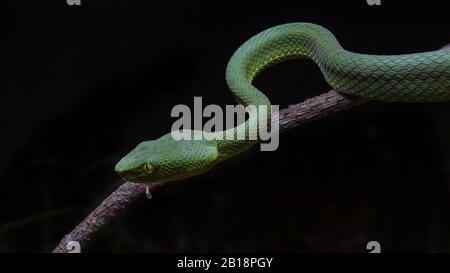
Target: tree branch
<point>316,108</point>
<point>291,117</point>
<point>116,202</point>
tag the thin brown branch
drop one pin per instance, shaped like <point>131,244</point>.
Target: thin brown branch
<point>116,202</point>
<point>316,108</point>
<point>291,117</point>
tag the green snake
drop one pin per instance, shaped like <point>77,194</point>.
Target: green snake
<point>418,77</point>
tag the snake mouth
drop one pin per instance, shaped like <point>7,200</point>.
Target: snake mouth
<point>133,176</point>
<point>125,166</point>
<point>127,173</point>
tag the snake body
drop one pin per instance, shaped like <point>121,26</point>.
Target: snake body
<point>418,77</point>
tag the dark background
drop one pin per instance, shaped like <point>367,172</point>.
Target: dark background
<point>84,85</point>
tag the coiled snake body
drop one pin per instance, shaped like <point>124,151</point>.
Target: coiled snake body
<point>419,77</point>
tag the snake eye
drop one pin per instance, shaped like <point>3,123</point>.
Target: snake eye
<point>148,167</point>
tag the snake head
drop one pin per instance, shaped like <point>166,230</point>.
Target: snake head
<point>166,159</point>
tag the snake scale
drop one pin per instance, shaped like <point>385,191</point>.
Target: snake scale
<point>418,77</point>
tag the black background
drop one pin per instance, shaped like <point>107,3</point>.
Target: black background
<point>83,85</point>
